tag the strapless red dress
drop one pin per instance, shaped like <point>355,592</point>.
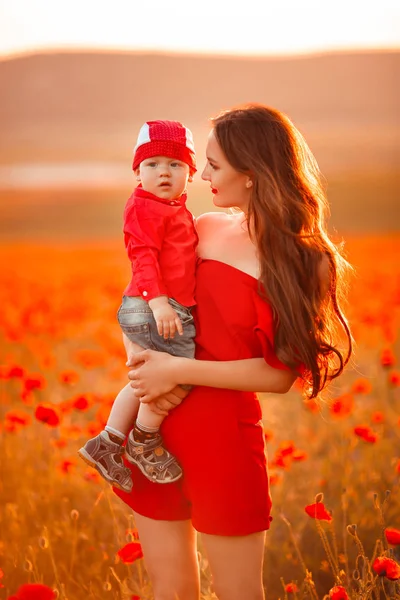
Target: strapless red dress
<point>217,434</point>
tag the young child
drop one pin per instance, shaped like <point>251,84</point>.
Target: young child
<point>161,240</point>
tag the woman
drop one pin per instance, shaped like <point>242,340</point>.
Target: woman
<point>267,312</point>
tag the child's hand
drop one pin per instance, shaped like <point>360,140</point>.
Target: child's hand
<point>164,404</point>
<point>166,317</point>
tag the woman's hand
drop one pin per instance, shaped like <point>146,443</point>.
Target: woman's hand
<point>154,374</point>
<point>163,405</point>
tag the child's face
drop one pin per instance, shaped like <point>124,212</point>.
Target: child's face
<point>164,177</point>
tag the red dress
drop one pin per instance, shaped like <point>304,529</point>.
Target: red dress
<point>217,434</point>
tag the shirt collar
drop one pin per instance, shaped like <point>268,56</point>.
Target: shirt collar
<point>141,193</point>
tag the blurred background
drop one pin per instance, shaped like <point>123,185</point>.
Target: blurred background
<point>79,78</point>
<point>77,81</point>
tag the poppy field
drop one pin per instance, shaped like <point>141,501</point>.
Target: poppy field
<point>334,465</point>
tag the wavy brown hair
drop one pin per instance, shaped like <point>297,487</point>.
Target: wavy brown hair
<point>302,272</point>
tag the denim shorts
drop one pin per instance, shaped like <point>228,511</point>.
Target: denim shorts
<point>138,324</point>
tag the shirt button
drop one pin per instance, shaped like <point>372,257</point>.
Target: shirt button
<point>172,203</point>
<point>145,293</point>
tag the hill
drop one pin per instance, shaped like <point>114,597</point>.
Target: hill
<point>88,106</point>
<point>69,122</point>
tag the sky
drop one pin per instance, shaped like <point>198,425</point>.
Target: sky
<point>211,26</point>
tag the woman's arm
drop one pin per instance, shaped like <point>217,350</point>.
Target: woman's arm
<point>156,373</point>
<point>248,375</point>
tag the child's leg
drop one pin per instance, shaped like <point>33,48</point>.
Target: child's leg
<point>147,424</point>
<point>126,405</point>
<point>144,445</point>
<point>104,452</point>
<point>128,412</point>
<point>123,414</point>
<point>144,448</point>
<point>131,348</point>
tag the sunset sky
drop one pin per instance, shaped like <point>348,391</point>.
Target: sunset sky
<point>248,27</point>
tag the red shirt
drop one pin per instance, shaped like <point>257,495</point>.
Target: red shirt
<point>161,239</point>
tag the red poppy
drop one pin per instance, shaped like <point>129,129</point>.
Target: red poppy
<point>268,435</point>
<point>369,319</point>
<point>130,552</point>
<point>81,403</point>
<point>283,455</point>
<point>392,536</point>
<point>67,465</point>
<point>291,588</point>
<point>377,417</point>
<point>286,448</point>
<point>18,417</point>
<point>365,433</point>
<point>34,591</point>
<point>69,377</point>
<point>90,359</point>
<point>92,476</point>
<point>388,359</point>
<point>27,397</point>
<point>361,386</point>
<point>34,382</point>
<point>318,511</point>
<point>342,406</point>
<point>394,378</point>
<point>312,405</point>
<point>16,371</point>
<point>274,478</point>
<point>387,567</point>
<point>10,427</point>
<point>47,414</point>
<point>282,461</point>
<point>65,407</point>
<point>338,593</point>
<point>299,455</point>
<point>59,443</point>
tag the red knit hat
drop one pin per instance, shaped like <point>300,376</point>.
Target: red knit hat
<point>165,138</point>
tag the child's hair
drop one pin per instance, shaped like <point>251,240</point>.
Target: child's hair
<point>287,214</point>
<point>165,138</point>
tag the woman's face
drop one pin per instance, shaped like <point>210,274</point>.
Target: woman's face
<point>229,187</point>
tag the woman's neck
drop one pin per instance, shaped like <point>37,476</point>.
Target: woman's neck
<point>226,238</point>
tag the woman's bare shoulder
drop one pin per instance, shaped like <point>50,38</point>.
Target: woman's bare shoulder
<point>211,230</point>
<point>211,217</point>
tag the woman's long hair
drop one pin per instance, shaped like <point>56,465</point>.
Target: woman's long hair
<point>286,218</point>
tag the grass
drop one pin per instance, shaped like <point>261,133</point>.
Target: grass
<point>60,349</point>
